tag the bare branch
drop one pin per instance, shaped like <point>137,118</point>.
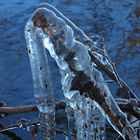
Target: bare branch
<point>23,123</point>
<point>19,109</point>
<point>10,134</point>
<point>26,109</point>
<point>125,106</point>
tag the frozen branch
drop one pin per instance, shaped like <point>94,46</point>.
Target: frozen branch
<point>127,90</point>
<point>23,123</point>
<point>125,106</point>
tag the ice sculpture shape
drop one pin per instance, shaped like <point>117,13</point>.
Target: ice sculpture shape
<point>67,44</point>
<point>41,78</point>
<point>63,57</point>
<point>94,43</point>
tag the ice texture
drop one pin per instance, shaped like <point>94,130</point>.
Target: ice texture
<point>72,58</point>
<point>70,47</point>
<point>43,91</point>
<point>93,43</point>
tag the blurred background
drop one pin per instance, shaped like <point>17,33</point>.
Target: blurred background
<point>116,21</point>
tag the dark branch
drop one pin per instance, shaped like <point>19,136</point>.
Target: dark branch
<point>26,109</point>
<point>128,91</point>
<point>125,106</point>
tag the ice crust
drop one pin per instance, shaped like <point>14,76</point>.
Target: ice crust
<point>70,47</point>
<point>71,57</point>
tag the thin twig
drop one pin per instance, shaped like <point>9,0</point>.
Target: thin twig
<point>112,76</point>
<point>112,65</point>
<point>19,125</point>
<point>26,109</point>
<point>10,134</point>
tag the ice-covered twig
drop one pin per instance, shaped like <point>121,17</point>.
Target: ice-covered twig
<point>10,134</point>
<point>78,32</point>
<point>124,105</point>
<point>112,65</point>
<point>91,44</point>
<point>22,123</point>
<point>78,73</point>
<point>129,92</point>
<point>62,56</point>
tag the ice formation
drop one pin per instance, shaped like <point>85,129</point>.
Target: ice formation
<point>41,78</point>
<point>83,85</point>
<point>94,43</point>
<point>83,108</point>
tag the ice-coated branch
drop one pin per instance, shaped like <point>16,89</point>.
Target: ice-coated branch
<point>67,69</point>
<point>10,134</point>
<point>78,33</point>
<point>92,44</point>
<point>80,78</point>
<point>127,91</point>
<point>124,105</point>
<point>22,123</point>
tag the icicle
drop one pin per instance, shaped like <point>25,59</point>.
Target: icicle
<point>43,91</point>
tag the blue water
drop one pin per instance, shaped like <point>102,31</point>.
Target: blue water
<point>116,21</point>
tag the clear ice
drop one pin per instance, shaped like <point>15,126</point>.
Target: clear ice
<point>70,47</point>
<point>69,60</point>
<point>43,91</point>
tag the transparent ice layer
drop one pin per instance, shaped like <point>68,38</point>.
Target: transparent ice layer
<point>70,47</point>
<point>93,43</point>
<point>43,91</point>
<point>72,57</point>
